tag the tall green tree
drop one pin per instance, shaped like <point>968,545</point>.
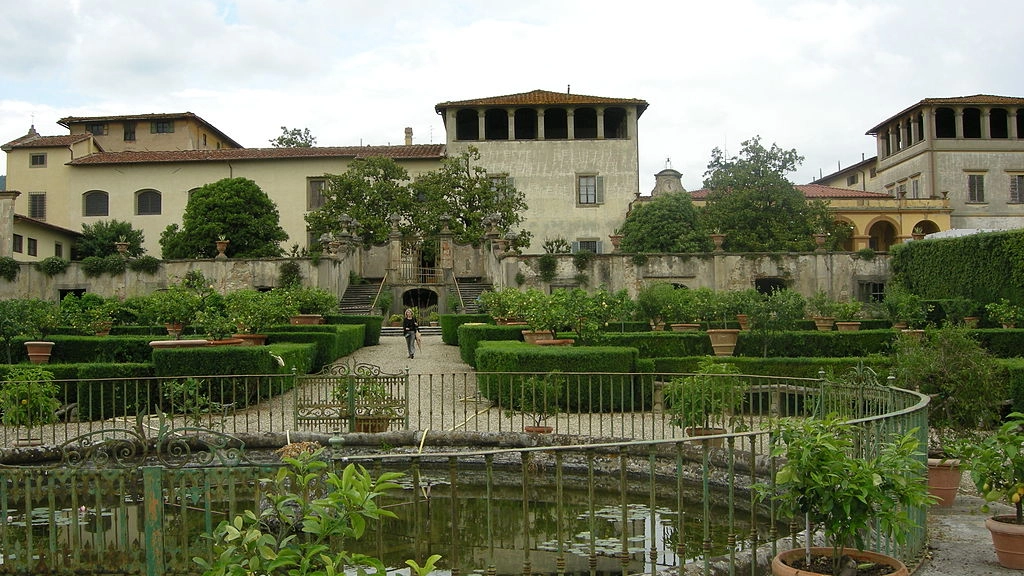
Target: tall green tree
<point>759,210</point>
<point>370,192</point>
<point>468,198</point>
<point>98,239</point>
<point>235,208</point>
<point>460,194</point>
<point>666,223</point>
<point>294,138</point>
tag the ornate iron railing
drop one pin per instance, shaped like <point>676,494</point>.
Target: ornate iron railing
<point>134,494</point>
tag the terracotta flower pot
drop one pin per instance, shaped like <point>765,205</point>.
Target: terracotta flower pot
<point>781,563</point>
<point>824,323</point>
<point>538,429</point>
<point>944,480</point>
<point>723,341</point>
<point>39,351</point>
<point>1008,539</point>
<point>300,319</point>
<point>686,327</point>
<point>848,326</point>
<point>251,339</point>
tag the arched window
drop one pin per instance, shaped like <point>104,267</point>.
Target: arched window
<point>467,125</point>
<point>945,123</point>
<point>526,124</point>
<point>585,123</point>
<point>496,124</point>
<point>999,123</point>
<point>147,202</point>
<point>556,124</point>
<point>95,203</point>
<point>972,123</point>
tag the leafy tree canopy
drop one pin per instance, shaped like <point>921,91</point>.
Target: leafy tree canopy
<point>363,199</point>
<point>463,195</point>
<point>235,208</point>
<point>460,194</point>
<point>98,239</point>
<point>759,210</point>
<point>666,223</point>
<point>294,138</point>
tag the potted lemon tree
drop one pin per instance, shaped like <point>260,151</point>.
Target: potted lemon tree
<point>706,403</point>
<point>829,483</point>
<point>28,398</point>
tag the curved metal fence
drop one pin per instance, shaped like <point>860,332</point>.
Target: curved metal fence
<point>619,486</point>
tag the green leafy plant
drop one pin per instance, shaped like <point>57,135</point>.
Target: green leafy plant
<point>312,513</point>
<point>711,396</point>
<point>289,274</point>
<point>821,305</point>
<point>1005,312</point>
<point>506,304</point>
<point>187,398</point>
<point>866,254</point>
<point>538,397</point>
<point>144,264</point>
<point>547,265</point>
<point>557,246</point>
<point>961,377</point>
<point>176,305</point>
<point>114,264</point>
<point>827,478</point>
<point>996,464</point>
<point>28,397</point>
<point>92,266</point>
<point>848,310</point>
<point>384,301</point>
<point>252,311</point>
<point>520,278</point>
<point>957,309</point>
<point>903,306</point>
<point>214,323</point>
<point>9,268</point>
<point>52,265</point>
<point>310,300</point>
<point>582,259</point>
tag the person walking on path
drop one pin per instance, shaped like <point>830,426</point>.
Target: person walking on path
<point>411,331</point>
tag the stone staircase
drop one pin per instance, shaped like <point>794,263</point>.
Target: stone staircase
<point>397,331</point>
<point>358,297</point>
<point>470,291</point>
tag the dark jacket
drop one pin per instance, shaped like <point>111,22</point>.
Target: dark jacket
<point>409,325</point>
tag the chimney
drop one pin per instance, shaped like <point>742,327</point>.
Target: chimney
<point>408,136</point>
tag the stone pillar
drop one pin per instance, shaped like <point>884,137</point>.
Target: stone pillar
<point>959,122</point>
<point>540,124</point>
<point>511,113</point>
<point>570,120</point>
<point>7,198</point>
<point>986,123</point>
<point>915,135</point>
<point>600,123</point>
<point>1011,117</point>
<point>481,116</point>
<point>926,122</point>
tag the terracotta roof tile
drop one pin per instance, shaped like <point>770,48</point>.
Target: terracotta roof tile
<point>543,98</point>
<point>45,141</point>
<point>812,192</point>
<point>414,152</point>
<point>69,120</point>
<point>47,225</point>
<point>980,99</point>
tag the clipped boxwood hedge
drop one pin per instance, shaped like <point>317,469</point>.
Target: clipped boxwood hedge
<point>785,367</point>
<point>658,344</point>
<point>332,340</point>
<point>107,390</point>
<point>371,323</point>
<point>801,344</point>
<point>450,325</point>
<point>471,335</point>
<point>600,389</point>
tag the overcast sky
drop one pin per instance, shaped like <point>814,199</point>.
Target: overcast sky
<point>811,75</point>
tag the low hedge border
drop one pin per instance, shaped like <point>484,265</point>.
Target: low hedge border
<point>332,341</point>
<point>600,390</point>
<point>371,324</point>
<point>450,325</point>
<point>471,335</point>
<point>786,367</point>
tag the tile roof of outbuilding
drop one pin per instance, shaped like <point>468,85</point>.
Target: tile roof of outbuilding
<point>543,98</point>
<point>981,99</point>
<point>36,141</point>
<point>413,152</point>
<point>69,120</point>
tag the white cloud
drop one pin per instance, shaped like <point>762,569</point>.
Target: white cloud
<point>811,75</point>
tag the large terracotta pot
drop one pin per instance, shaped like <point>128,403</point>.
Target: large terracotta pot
<point>532,336</point>
<point>306,319</point>
<point>1008,539</point>
<point>251,339</point>
<point>944,480</point>
<point>824,323</point>
<point>372,424</point>
<point>781,567</point>
<point>701,431</point>
<point>39,351</point>
<point>685,327</point>
<point>555,342</point>
<point>744,320</point>
<point>847,326</point>
<point>538,429</point>
<point>723,341</point>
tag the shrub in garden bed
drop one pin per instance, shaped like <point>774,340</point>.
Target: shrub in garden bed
<point>1001,342</point>
<point>600,388</point>
<point>450,325</point>
<point>621,326</point>
<point>658,344</point>
<point>817,344</point>
<point>786,367</point>
<point>110,390</point>
<point>372,323</point>
<point>332,341</point>
<point>470,336</point>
